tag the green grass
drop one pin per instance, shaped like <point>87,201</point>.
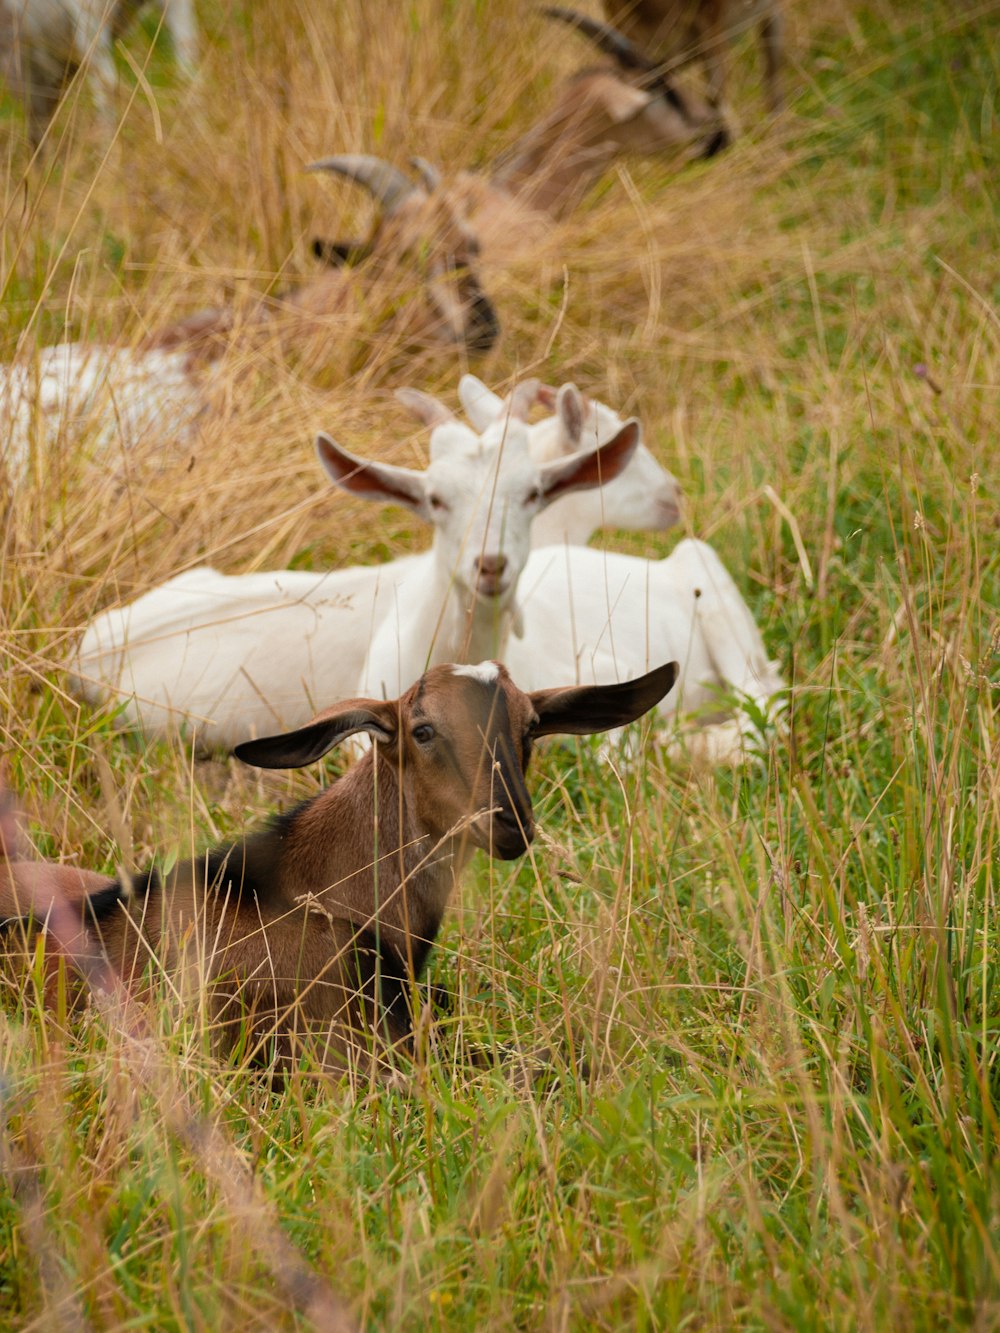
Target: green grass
<point>774,990</point>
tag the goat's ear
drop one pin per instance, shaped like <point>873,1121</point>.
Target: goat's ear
<point>481,405</point>
<point>295,749</point>
<point>424,407</point>
<point>338,254</point>
<point>571,411</point>
<point>580,710</point>
<point>372,481</point>
<point>591,467</point>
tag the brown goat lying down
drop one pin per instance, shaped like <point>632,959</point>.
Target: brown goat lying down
<point>317,926</point>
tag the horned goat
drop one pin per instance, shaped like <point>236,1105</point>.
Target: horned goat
<point>315,930</point>
<point>598,616</point>
<point>44,43</point>
<point>673,33</point>
<point>421,259</point>
<point>234,656</point>
<point>624,106</point>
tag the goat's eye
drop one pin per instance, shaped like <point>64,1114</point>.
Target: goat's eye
<point>424,734</point>
<point>437,504</point>
<point>534,496</point>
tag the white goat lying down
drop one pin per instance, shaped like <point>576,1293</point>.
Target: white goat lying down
<point>598,616</point>
<point>117,398</point>
<point>236,656</point>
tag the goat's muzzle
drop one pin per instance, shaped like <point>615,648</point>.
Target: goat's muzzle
<point>482,327</point>
<point>719,141</point>
<point>509,836</point>
<point>491,575</point>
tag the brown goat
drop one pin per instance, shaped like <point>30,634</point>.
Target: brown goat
<point>319,925</point>
<point>674,33</point>
<point>600,113</point>
<point>420,262</point>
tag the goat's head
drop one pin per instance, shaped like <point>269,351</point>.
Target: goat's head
<point>421,228</point>
<point>460,740</point>
<point>636,106</point>
<point>481,492</point>
<point>644,496</point>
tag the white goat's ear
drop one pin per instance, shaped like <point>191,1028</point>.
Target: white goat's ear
<point>372,481</point>
<point>424,407</point>
<point>295,749</point>
<point>480,404</point>
<point>581,710</point>
<point>591,467</point>
<point>572,412</point>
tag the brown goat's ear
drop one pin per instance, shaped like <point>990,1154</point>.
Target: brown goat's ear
<point>295,749</point>
<point>591,467</point>
<point>372,481</point>
<point>580,710</point>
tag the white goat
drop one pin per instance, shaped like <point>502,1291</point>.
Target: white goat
<point>484,492</point>
<point>598,616</point>
<point>43,43</point>
<point>238,655</point>
<point>116,398</point>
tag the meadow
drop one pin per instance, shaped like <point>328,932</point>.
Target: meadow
<point>774,989</point>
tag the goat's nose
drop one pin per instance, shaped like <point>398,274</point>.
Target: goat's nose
<point>492,566</point>
<point>490,570</point>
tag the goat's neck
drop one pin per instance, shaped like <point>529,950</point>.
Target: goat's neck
<point>473,630</point>
<point>552,167</point>
<point>358,852</point>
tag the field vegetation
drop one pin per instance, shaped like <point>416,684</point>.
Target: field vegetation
<point>774,991</point>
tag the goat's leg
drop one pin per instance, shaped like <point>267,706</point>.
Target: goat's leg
<point>772,33</point>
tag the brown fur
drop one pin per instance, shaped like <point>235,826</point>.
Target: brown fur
<point>320,923</point>
<point>677,32</point>
<point>420,263</point>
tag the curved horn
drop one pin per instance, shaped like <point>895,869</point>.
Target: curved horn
<point>615,44</point>
<point>605,38</point>
<point>386,183</point>
<point>427,172</point>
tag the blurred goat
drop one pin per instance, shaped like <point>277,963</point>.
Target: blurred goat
<point>45,43</point>
<point>673,33</point>
<point>623,106</point>
<point>315,929</point>
<point>420,258</point>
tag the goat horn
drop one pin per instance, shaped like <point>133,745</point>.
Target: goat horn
<point>385,183</point>
<point>523,398</point>
<point>427,171</point>
<point>605,38</point>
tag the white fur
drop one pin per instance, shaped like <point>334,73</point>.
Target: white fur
<point>238,656</point>
<point>44,37</point>
<point>492,491</point>
<point>485,672</point>
<point>645,497</point>
<point>598,616</point>
<point>113,397</point>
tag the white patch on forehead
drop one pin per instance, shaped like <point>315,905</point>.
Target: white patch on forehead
<point>485,672</point>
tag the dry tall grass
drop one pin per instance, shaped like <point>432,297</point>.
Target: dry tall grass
<point>786,979</point>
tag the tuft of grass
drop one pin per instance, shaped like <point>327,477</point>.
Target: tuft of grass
<point>773,991</point>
